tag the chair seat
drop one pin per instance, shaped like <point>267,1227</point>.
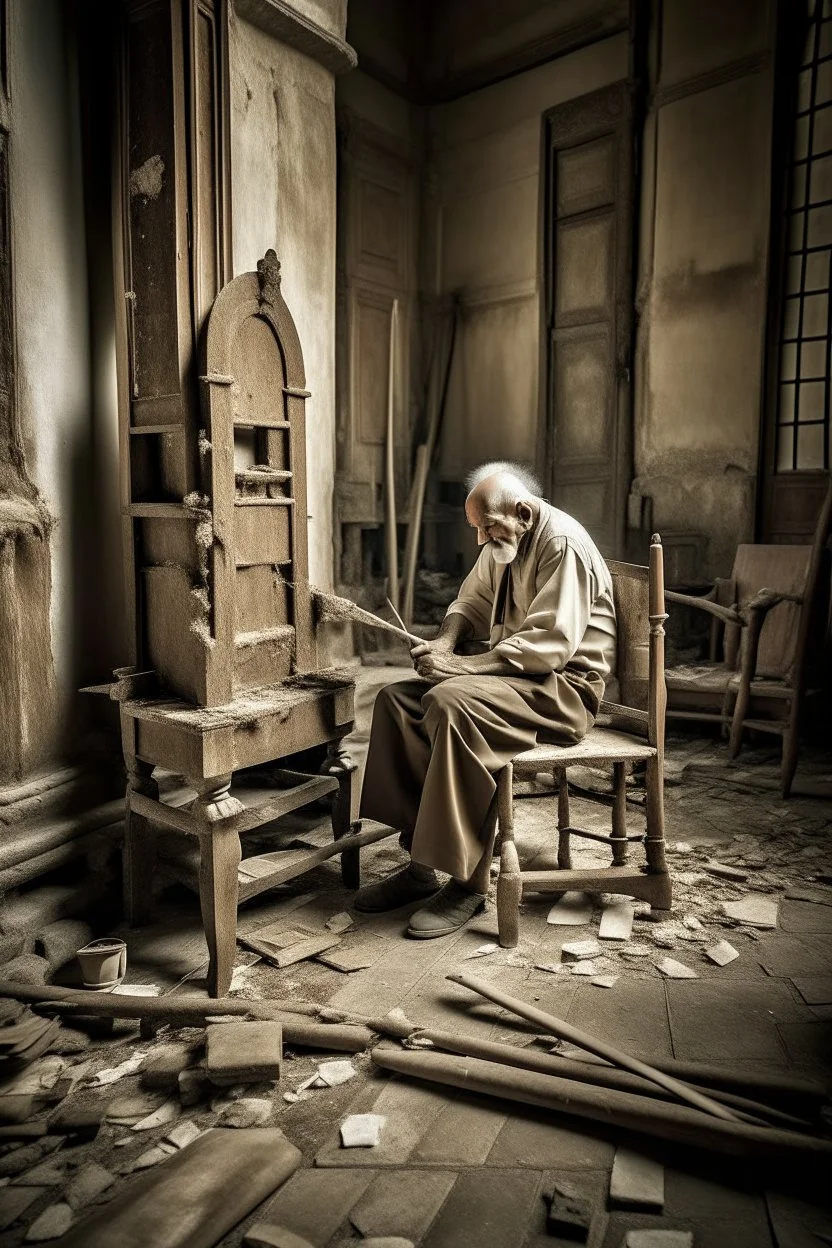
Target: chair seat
<point>763,687</point>
<point>600,745</point>
<point>700,678</point>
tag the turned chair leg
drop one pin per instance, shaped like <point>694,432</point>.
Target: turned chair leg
<point>564,844</point>
<point>220,853</point>
<point>338,763</point>
<point>509,882</point>
<point>620,851</point>
<point>139,853</point>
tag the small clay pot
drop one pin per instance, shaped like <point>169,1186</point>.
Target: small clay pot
<point>103,963</point>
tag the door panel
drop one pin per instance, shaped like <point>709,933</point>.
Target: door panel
<point>588,280</point>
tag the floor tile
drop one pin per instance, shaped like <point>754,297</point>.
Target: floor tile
<point>402,1202</point>
<point>809,1044</point>
<point>408,1110</point>
<point>314,1203</point>
<point>486,1208</point>
<point>632,1016</point>
<point>461,1135</point>
<point>709,1023</point>
<point>805,916</point>
<point>534,1139</point>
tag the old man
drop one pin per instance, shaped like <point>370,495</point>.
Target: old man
<point>541,594</point>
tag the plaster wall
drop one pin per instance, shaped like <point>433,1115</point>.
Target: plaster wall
<point>703,291</point>
<point>283,196</point>
<point>51,315</point>
<point>485,236</point>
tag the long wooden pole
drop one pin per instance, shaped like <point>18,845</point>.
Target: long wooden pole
<point>557,1026</point>
<point>658,1119</point>
<point>391,538</point>
<point>187,1010</point>
<point>592,1072</point>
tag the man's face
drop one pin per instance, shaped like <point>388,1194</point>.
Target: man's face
<point>502,532</point>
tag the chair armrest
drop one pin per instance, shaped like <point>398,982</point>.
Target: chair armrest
<point>728,615</point>
<point>764,600</point>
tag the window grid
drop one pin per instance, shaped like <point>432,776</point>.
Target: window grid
<point>803,382</point>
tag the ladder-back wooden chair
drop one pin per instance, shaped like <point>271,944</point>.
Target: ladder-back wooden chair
<point>630,731</point>
<point>768,621</point>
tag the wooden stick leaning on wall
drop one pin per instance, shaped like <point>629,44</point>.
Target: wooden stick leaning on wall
<point>424,458</point>
<point>390,533</point>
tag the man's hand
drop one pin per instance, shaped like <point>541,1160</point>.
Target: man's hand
<point>438,662</point>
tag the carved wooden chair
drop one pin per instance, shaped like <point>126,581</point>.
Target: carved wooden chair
<point>628,732</point>
<point>766,618</point>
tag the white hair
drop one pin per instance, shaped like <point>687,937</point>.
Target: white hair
<point>499,467</point>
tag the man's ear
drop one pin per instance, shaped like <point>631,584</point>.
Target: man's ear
<point>524,512</point>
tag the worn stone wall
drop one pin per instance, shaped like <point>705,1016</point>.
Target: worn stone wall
<point>485,234</point>
<point>702,288</point>
<point>52,370</point>
<point>283,196</point>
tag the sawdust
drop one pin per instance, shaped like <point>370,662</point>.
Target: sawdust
<point>332,607</point>
<point>282,637</point>
<point>247,710</point>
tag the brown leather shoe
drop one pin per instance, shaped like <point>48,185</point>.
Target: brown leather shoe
<point>450,910</point>
<point>399,889</point>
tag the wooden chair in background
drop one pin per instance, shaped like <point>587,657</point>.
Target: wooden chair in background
<point>768,619</point>
<point>628,732</point>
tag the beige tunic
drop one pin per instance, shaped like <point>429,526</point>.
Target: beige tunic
<point>435,750</point>
<point>551,607</point>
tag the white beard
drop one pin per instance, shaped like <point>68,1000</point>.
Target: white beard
<point>504,552</point>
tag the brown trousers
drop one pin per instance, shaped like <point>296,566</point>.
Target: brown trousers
<point>435,750</point>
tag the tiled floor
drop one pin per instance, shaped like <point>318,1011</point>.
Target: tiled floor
<point>455,1169</point>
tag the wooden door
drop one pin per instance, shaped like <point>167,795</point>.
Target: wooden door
<point>587,250</point>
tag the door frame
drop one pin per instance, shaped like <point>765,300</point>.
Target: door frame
<point>570,124</point>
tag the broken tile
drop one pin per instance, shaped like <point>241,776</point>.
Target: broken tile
<point>571,910</point>
<point>582,968</point>
<point>267,1235</point>
<point>579,950</point>
<point>722,953</point>
<point>692,923</point>
<point>340,922</point>
<point>401,1202</point>
<point>183,1134</point>
<point>52,1223</point>
<point>361,1130</point>
<point>243,1052</point>
<point>755,909</point>
<point>482,951</point>
<point>150,1157</point>
<point>47,1174</point>
<point>14,1201</point>
<point>821,896</point>
<point>348,960</point>
<point>298,951</point>
<point>168,1112</point>
<point>675,970</point>
<point>87,1185</point>
<point>604,981</point>
<point>387,1241</point>
<point>617,920</point>
<point>131,1066</point>
<point>248,1111</point>
<point>635,951</point>
<point>568,1217</point>
<point>336,1073</point>
<point>636,1181</point>
<point>659,1239</point>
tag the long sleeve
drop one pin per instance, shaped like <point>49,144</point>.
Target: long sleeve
<point>475,599</point>
<point>558,615</point>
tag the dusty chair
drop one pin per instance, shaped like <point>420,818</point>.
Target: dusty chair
<point>628,732</point>
<point>763,616</point>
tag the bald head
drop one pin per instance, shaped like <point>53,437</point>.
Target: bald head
<point>502,508</point>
